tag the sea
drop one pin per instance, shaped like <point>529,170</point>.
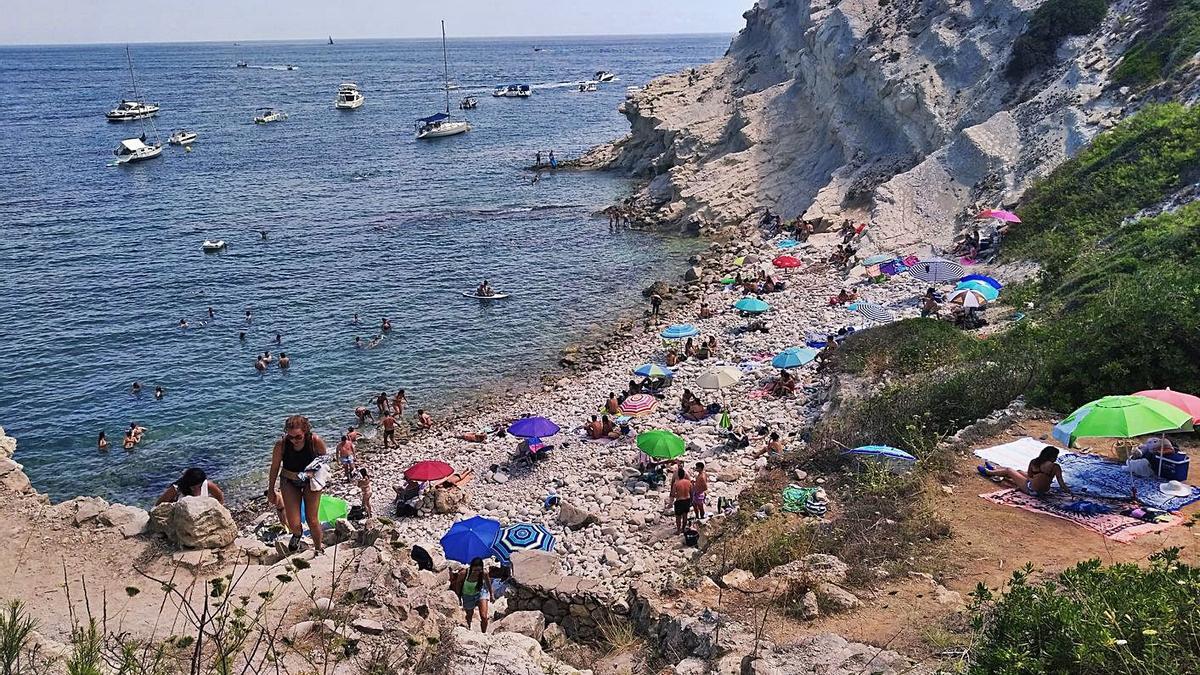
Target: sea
<point>325,215</point>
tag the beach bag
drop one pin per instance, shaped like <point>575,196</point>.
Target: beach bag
<point>726,423</point>
<point>356,513</point>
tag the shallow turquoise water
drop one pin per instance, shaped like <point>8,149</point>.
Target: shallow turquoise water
<point>100,263</point>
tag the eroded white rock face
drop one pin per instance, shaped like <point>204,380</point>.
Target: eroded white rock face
<point>895,112</point>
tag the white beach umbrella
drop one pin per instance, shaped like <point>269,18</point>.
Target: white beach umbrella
<point>718,378</point>
<point>967,297</point>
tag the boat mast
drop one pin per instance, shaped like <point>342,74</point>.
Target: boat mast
<point>446,67</point>
<point>133,82</point>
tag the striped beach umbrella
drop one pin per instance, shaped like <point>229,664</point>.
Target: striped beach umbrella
<point>718,378</point>
<point>523,537</point>
<point>794,357</point>
<point>653,370</point>
<point>937,270</point>
<point>989,293</point>
<point>679,331</point>
<point>967,297</point>
<point>787,262</point>
<point>639,404</point>
<point>882,452</point>
<point>751,306</point>
<point>873,312</point>
<point>661,444</point>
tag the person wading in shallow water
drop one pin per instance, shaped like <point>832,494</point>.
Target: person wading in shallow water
<point>292,453</point>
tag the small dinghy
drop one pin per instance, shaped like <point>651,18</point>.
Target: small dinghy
<point>210,246</point>
<point>493,296</point>
<point>182,137</point>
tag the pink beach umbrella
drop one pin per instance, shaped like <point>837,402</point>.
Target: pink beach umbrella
<point>1185,402</point>
<point>999,214</point>
<point>638,405</point>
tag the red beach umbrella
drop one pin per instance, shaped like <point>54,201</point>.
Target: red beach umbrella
<point>639,404</point>
<point>787,261</point>
<point>1185,402</point>
<point>428,470</point>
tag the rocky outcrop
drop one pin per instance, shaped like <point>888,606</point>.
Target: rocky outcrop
<point>502,654</point>
<point>195,522</point>
<point>12,474</point>
<point>578,605</point>
<point>898,112</point>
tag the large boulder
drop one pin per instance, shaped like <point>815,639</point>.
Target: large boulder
<point>528,623</point>
<point>8,444</point>
<point>195,522</point>
<point>130,520</point>
<point>445,500</point>
<point>574,517</point>
<point>501,654</point>
<point>12,476</point>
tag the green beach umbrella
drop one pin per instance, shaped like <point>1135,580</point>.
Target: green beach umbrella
<point>1121,417</point>
<point>330,510</point>
<point>661,444</point>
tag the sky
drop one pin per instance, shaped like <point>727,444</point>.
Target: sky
<point>109,21</point>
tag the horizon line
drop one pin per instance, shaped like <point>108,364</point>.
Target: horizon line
<point>360,39</point>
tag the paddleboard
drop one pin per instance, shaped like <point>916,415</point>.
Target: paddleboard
<point>494,296</point>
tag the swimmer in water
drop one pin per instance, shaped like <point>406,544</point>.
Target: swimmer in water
<point>136,389</point>
<point>183,323</point>
<point>159,392</point>
<point>375,341</point>
<point>260,366</point>
<point>386,325</point>
<point>249,316</point>
<point>136,431</point>
<point>355,321</point>
<point>211,313</point>
<point>358,342</point>
<point>102,443</point>
<point>284,361</point>
<point>266,357</point>
<point>129,441</point>
<point>278,339</point>
<point>242,336</point>
<point>264,234</point>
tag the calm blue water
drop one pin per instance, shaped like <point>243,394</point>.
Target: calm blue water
<point>100,263</point>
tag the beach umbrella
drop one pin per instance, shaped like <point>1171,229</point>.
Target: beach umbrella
<point>936,270</point>
<point>787,262</point>
<point>892,268</point>
<point>873,312</point>
<point>985,279</point>
<point>330,510</point>
<point>751,306</point>
<point>882,452</point>
<point>998,214</point>
<point>967,297</point>
<point>679,331</point>
<point>794,357</point>
<point>661,444</point>
<point>428,470</point>
<point>1121,417</point>
<point>653,370</point>
<point>639,404</point>
<point>788,243</point>
<point>529,427</point>
<point>879,259</point>
<point>729,280</point>
<point>1185,402</point>
<point>989,293</point>
<point>523,537</point>
<point>718,378</point>
<point>471,538</point>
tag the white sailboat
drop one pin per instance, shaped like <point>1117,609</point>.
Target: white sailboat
<point>440,125</point>
<point>133,150</point>
<point>137,109</point>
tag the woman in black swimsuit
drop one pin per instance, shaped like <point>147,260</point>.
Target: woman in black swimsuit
<point>292,453</point>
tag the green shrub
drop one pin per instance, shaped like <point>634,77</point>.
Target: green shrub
<point>1160,51</point>
<point>904,347</point>
<point>1051,22</point>
<point>1093,619</point>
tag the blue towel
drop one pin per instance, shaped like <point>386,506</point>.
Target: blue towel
<point>1101,477</point>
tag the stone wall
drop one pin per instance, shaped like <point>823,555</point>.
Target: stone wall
<point>578,605</point>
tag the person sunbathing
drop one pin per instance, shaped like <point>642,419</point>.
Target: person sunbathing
<point>843,297</point>
<point>689,348</point>
<point>696,411</point>
<point>611,406</point>
<point>1043,470</point>
<point>608,429</point>
<point>785,385</point>
<point>458,479</point>
<point>424,420</point>
<point>705,311</point>
<point>672,358</point>
<point>595,428</point>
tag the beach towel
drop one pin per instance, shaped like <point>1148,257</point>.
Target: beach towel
<point>1098,476</point>
<point>1112,525</point>
<point>763,391</point>
<point>1015,455</point>
<point>794,498</point>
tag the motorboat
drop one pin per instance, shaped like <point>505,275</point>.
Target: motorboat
<point>135,150</point>
<point>289,66</point>
<point>268,115</point>
<point>242,64</point>
<point>212,245</point>
<point>348,97</point>
<point>587,86</point>
<point>132,110</point>
<point>604,76</point>
<point>468,103</point>
<point>440,125</point>
<point>452,85</point>
<point>182,137</point>
<point>513,91</point>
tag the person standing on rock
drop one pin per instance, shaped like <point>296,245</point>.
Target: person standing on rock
<point>389,430</point>
<point>290,456</point>
<point>699,490</point>
<point>681,497</point>
<point>655,307</point>
<point>473,586</point>
<point>399,401</point>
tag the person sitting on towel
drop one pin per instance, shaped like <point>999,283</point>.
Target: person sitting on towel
<point>1043,470</point>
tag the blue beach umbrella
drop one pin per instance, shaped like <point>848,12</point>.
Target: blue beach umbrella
<point>882,452</point>
<point>471,538</point>
<point>523,537</point>
<point>680,331</point>
<point>989,293</point>
<point>794,357</point>
<point>531,427</point>
<point>751,306</point>
<point>653,370</point>
<point>985,279</point>
<point>788,243</point>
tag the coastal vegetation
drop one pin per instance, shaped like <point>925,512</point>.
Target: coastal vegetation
<point>1092,619</point>
<point>1171,39</point>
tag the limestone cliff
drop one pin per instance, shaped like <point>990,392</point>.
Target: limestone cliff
<point>896,111</point>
